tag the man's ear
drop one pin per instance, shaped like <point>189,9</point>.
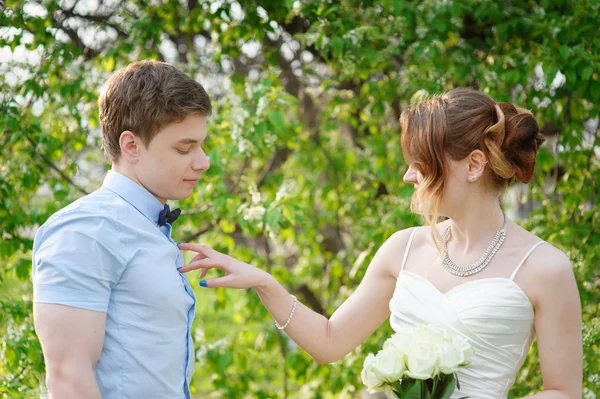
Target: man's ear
<point>130,146</point>
<point>476,165</point>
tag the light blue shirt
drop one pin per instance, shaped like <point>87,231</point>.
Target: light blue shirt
<point>106,253</point>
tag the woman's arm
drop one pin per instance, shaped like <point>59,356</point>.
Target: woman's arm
<point>558,326</point>
<point>326,341</point>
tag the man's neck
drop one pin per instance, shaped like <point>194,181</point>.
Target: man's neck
<point>128,173</point>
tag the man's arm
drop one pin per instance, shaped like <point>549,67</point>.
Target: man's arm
<point>71,341</point>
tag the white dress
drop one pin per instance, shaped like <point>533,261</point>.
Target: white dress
<point>494,314</point>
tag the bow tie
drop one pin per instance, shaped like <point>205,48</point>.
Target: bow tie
<point>167,216</point>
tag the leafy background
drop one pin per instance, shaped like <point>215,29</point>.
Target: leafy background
<point>304,143</point>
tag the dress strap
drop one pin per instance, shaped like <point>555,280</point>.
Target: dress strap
<point>512,277</point>
<point>412,235</point>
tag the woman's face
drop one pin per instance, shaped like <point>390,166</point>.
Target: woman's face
<point>456,188</point>
<point>415,177</point>
<point>454,193</point>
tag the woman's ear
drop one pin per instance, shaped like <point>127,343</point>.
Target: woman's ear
<point>476,165</point>
<point>129,146</point>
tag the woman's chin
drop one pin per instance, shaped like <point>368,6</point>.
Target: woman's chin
<point>419,207</point>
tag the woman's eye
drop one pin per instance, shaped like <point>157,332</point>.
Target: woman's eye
<point>183,152</point>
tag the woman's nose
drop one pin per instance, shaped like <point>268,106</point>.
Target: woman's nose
<point>410,177</point>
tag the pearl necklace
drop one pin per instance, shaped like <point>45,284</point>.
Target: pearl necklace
<point>468,270</point>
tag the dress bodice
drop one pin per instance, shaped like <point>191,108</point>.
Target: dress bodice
<point>493,314</point>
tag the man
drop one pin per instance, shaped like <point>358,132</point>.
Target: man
<point>112,311</point>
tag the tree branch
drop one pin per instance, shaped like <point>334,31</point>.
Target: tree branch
<point>88,52</point>
<point>198,233</point>
<point>311,300</point>
<point>98,19</point>
<point>51,164</point>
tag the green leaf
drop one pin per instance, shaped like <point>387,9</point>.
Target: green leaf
<point>23,268</point>
<point>261,128</point>
<point>564,52</point>
<point>586,72</point>
<point>273,217</point>
<point>227,226</point>
<point>337,45</point>
<point>276,119</point>
<point>595,89</point>
<point>109,64</point>
<point>447,387</point>
<point>413,392</point>
<point>288,215</point>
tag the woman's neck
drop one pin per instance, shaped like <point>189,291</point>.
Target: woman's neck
<point>473,227</point>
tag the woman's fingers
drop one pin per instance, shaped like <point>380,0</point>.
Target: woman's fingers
<point>225,281</point>
<point>205,250</point>
<point>202,264</point>
<point>206,259</point>
<point>198,257</point>
<point>185,246</point>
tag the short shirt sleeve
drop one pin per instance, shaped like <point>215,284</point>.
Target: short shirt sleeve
<point>77,260</point>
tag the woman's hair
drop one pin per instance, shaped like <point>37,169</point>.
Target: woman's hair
<point>452,125</point>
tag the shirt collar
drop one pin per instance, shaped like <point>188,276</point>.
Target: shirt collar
<point>136,195</point>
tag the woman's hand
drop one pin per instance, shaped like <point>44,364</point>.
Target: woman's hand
<point>237,274</point>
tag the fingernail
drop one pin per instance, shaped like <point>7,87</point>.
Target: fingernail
<point>203,283</point>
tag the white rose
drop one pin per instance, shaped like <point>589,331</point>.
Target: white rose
<point>450,358</point>
<point>390,364</point>
<point>455,353</point>
<point>401,341</point>
<point>422,362</point>
<point>431,334</point>
<point>462,345</point>
<point>370,376</point>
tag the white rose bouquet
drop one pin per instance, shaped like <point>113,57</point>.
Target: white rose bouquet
<point>418,364</point>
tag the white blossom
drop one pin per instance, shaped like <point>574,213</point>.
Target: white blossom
<point>284,190</point>
<point>254,213</point>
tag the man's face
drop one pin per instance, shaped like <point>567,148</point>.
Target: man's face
<point>171,165</point>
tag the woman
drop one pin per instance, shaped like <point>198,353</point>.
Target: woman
<point>477,272</point>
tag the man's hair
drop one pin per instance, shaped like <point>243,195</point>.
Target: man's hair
<point>144,97</point>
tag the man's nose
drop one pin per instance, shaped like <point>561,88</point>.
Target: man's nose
<point>201,162</point>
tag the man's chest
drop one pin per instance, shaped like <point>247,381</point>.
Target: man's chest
<point>151,285</point>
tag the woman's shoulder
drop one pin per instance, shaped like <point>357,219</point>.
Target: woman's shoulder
<point>411,238</point>
<point>544,264</point>
<point>550,262</point>
<point>424,235</point>
<point>416,233</point>
<point>545,256</point>
<point>400,238</point>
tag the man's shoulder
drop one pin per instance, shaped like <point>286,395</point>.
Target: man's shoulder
<point>101,207</point>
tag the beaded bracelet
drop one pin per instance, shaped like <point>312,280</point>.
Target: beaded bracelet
<point>290,316</point>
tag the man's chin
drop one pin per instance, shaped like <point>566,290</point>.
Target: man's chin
<point>180,196</point>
